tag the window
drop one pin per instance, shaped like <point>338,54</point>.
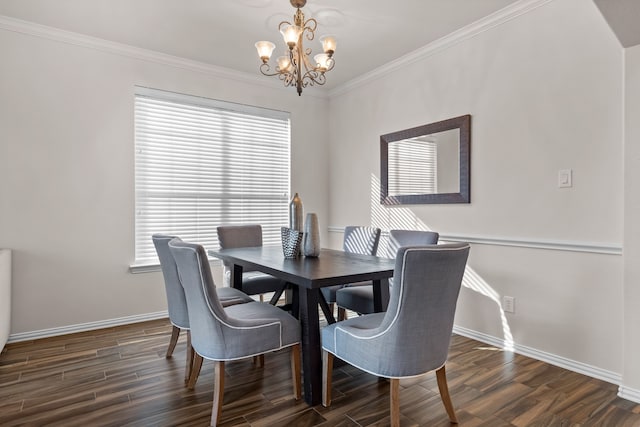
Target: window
<point>200,163</point>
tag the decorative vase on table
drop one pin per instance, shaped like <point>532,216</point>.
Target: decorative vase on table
<point>311,240</point>
<point>295,213</point>
<point>295,216</point>
<point>291,240</point>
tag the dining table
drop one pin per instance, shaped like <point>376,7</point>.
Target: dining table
<point>307,275</point>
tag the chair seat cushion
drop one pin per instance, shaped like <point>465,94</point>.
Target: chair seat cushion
<point>361,324</point>
<point>330,292</point>
<point>232,296</point>
<point>254,283</point>
<point>356,298</point>
<point>289,329</point>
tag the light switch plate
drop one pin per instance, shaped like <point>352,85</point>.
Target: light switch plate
<point>565,178</point>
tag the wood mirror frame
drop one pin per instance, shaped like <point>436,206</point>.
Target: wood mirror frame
<point>463,124</point>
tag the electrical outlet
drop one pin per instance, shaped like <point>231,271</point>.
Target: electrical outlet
<point>509,304</point>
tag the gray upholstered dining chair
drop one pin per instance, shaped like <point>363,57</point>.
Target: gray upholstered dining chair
<point>412,337</point>
<point>358,240</point>
<point>360,298</point>
<point>230,333</point>
<point>176,302</point>
<point>253,282</point>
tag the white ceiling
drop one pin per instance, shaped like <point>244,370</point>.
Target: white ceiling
<point>370,33</point>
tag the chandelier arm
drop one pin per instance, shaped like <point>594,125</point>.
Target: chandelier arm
<point>307,64</point>
<point>330,63</point>
<point>310,28</point>
<point>312,77</point>
<point>287,79</point>
<point>265,69</point>
<point>283,23</point>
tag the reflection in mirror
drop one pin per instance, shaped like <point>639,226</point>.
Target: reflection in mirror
<point>426,164</point>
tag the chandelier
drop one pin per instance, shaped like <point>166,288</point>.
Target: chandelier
<point>295,67</point>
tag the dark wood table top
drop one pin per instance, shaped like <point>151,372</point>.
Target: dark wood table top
<point>332,267</point>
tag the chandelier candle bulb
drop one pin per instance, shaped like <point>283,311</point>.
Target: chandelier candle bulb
<point>328,44</point>
<point>284,63</point>
<point>291,34</point>
<point>265,49</point>
<point>322,62</point>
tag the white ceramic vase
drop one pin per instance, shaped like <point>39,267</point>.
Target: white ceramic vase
<point>311,241</point>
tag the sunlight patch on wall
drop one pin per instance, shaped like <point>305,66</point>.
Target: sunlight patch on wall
<point>387,218</point>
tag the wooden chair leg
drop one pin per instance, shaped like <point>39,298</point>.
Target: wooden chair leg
<point>195,370</point>
<point>395,402</point>
<point>295,371</point>
<point>175,332</point>
<point>190,355</point>
<point>218,392</point>
<point>327,373</point>
<point>444,394</point>
<point>342,314</point>
<point>259,361</point>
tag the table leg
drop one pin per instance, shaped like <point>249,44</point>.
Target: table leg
<point>380,295</point>
<point>295,301</point>
<point>325,308</point>
<point>311,347</point>
<point>236,276</point>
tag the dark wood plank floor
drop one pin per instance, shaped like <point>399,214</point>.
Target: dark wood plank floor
<point>120,377</point>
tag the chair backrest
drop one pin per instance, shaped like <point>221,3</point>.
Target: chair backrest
<point>176,302</point>
<point>361,240</point>
<point>206,314</point>
<point>416,329</point>
<point>400,238</point>
<point>239,236</point>
<point>245,330</point>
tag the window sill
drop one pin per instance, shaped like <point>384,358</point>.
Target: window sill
<point>143,268</point>
<point>150,268</point>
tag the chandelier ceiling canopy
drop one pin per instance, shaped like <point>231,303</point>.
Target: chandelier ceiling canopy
<point>295,68</point>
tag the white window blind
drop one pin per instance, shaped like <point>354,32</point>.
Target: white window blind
<point>413,167</point>
<point>202,163</point>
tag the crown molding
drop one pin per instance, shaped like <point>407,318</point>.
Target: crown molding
<point>68,37</point>
<point>490,21</point>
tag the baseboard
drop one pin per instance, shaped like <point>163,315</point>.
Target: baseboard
<point>552,359</point>
<point>70,329</point>
<point>629,394</point>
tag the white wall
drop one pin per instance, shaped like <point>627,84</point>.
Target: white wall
<point>67,176</point>
<point>545,93</point>
<point>631,221</point>
<point>5,296</point>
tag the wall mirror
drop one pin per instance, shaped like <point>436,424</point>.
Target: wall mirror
<point>427,164</point>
